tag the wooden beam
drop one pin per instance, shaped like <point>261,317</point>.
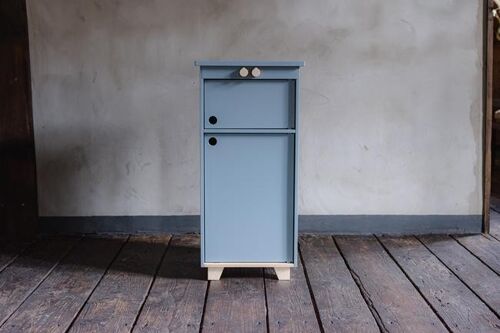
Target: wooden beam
<point>488,113</point>
<point>18,192</point>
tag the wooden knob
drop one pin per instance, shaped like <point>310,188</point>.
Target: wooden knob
<point>243,72</point>
<point>256,72</point>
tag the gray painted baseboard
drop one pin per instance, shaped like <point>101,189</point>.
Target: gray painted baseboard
<point>333,224</point>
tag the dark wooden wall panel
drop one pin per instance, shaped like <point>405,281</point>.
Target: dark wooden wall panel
<point>18,195</point>
<point>496,56</point>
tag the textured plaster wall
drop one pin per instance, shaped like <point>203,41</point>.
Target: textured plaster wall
<point>391,101</point>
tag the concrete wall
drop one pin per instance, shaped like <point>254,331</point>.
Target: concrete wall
<point>391,101</point>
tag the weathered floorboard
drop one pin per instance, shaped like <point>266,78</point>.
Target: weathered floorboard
<point>495,224</point>
<point>495,231</point>
<point>9,251</point>
<point>340,304</point>
<point>289,304</point>
<point>485,247</point>
<point>398,304</point>
<point>22,276</point>
<point>482,280</point>
<point>115,303</point>
<point>55,303</point>
<point>37,294</point>
<point>175,302</point>
<point>236,303</point>
<point>452,300</point>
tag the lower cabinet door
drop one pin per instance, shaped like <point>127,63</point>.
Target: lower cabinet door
<point>249,186</point>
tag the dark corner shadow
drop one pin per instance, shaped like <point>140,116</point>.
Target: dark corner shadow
<point>112,253</point>
<point>109,253</point>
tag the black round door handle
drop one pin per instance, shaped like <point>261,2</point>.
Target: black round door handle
<point>212,141</point>
<point>212,120</point>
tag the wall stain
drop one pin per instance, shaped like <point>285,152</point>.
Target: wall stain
<point>143,53</point>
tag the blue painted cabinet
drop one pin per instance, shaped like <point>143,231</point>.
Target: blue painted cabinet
<point>249,153</point>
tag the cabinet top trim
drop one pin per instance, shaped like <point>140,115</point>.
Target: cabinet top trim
<point>249,63</point>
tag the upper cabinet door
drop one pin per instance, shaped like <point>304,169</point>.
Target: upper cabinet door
<point>249,103</point>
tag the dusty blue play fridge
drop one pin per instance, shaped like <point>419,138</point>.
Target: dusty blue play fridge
<point>249,154</point>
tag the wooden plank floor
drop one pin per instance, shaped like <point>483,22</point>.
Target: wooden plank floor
<point>342,284</point>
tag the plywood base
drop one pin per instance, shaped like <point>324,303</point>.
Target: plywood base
<point>214,273</point>
<point>283,273</point>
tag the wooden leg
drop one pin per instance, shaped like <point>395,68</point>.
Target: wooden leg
<point>283,273</point>
<point>214,273</point>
